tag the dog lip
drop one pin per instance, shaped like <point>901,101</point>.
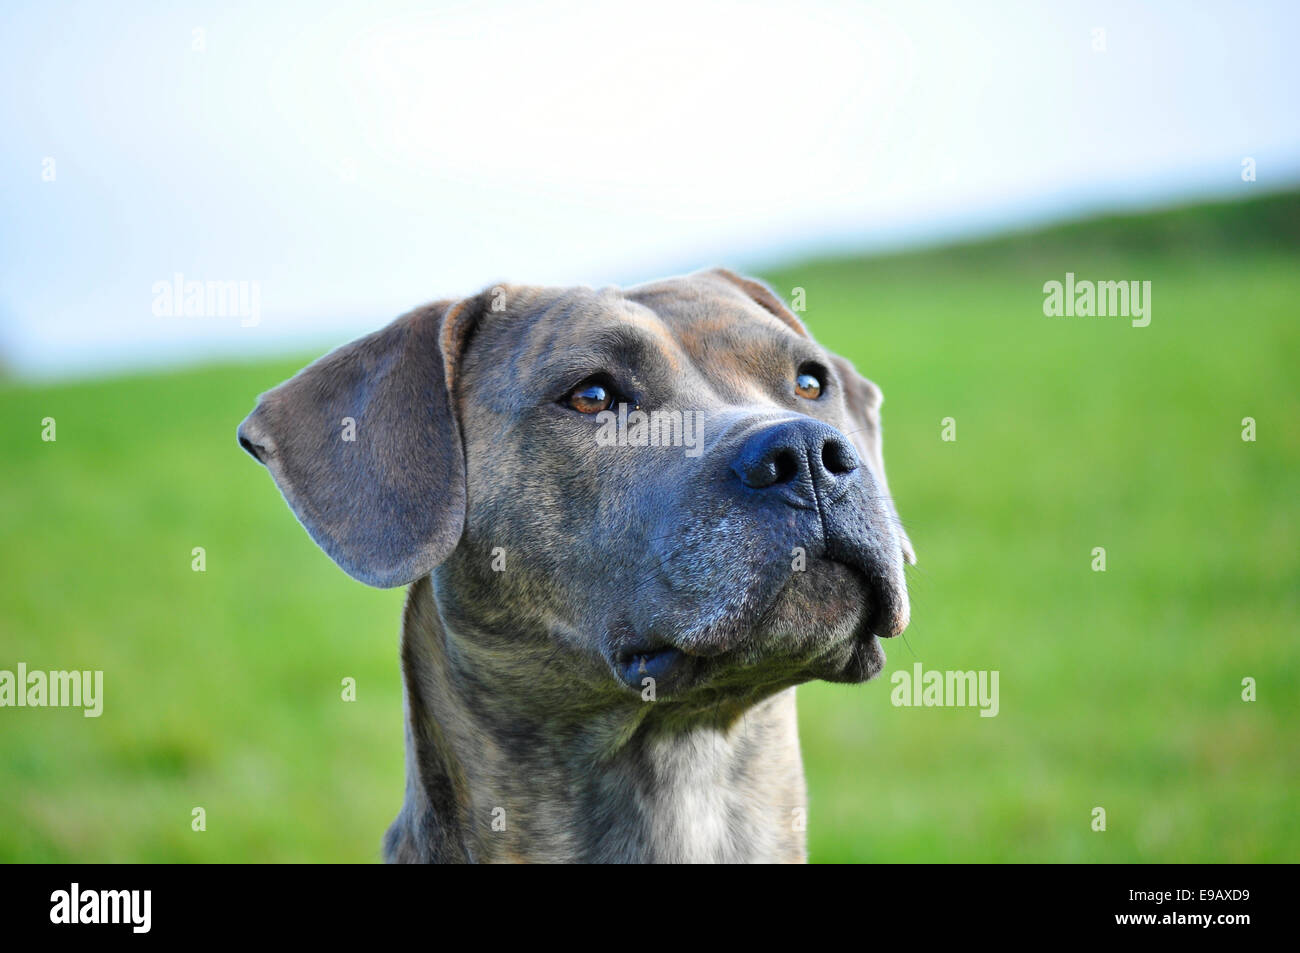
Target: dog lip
<point>876,615</point>
<point>633,665</point>
<point>868,659</point>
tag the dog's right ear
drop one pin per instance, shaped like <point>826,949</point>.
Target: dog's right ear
<point>366,447</point>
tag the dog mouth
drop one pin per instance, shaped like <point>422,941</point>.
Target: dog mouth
<point>636,665</point>
<point>861,659</point>
<point>866,660</point>
<point>841,622</point>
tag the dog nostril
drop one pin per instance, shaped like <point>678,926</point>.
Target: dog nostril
<point>838,457</point>
<point>804,454</point>
<point>786,465</point>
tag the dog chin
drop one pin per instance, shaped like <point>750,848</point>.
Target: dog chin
<point>820,618</point>
<point>814,627</point>
<point>822,605</point>
<point>864,660</point>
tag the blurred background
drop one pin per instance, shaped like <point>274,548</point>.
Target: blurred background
<point>918,170</point>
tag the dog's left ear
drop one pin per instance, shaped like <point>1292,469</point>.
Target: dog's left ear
<point>861,395</point>
<point>365,446</point>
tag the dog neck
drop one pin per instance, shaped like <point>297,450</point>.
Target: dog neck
<point>489,779</point>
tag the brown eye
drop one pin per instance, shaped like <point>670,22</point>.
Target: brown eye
<point>590,398</point>
<point>808,385</point>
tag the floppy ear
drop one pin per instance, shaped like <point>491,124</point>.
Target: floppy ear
<point>864,399</point>
<point>366,448</point>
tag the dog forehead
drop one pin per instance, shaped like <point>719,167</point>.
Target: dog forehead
<point>703,305</point>
<point>693,318</point>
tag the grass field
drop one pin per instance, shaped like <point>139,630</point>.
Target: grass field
<point>1118,689</point>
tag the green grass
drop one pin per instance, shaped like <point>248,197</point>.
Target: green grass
<point>1119,689</point>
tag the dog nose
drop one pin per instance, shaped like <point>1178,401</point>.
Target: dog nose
<point>803,460</point>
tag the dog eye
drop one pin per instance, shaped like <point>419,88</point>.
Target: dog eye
<point>809,383</point>
<point>590,397</point>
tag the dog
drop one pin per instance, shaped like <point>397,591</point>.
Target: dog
<point>604,628</point>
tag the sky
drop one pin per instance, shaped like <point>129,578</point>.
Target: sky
<point>340,163</point>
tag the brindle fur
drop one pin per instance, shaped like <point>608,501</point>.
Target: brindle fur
<point>522,741</point>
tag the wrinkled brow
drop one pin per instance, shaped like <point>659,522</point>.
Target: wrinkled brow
<point>611,349</point>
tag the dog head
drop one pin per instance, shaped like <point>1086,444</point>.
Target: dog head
<point>672,482</point>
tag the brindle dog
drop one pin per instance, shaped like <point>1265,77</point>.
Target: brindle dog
<point>601,641</point>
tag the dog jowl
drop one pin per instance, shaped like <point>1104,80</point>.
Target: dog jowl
<point>603,634</point>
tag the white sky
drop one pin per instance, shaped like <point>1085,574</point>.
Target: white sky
<point>358,159</point>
